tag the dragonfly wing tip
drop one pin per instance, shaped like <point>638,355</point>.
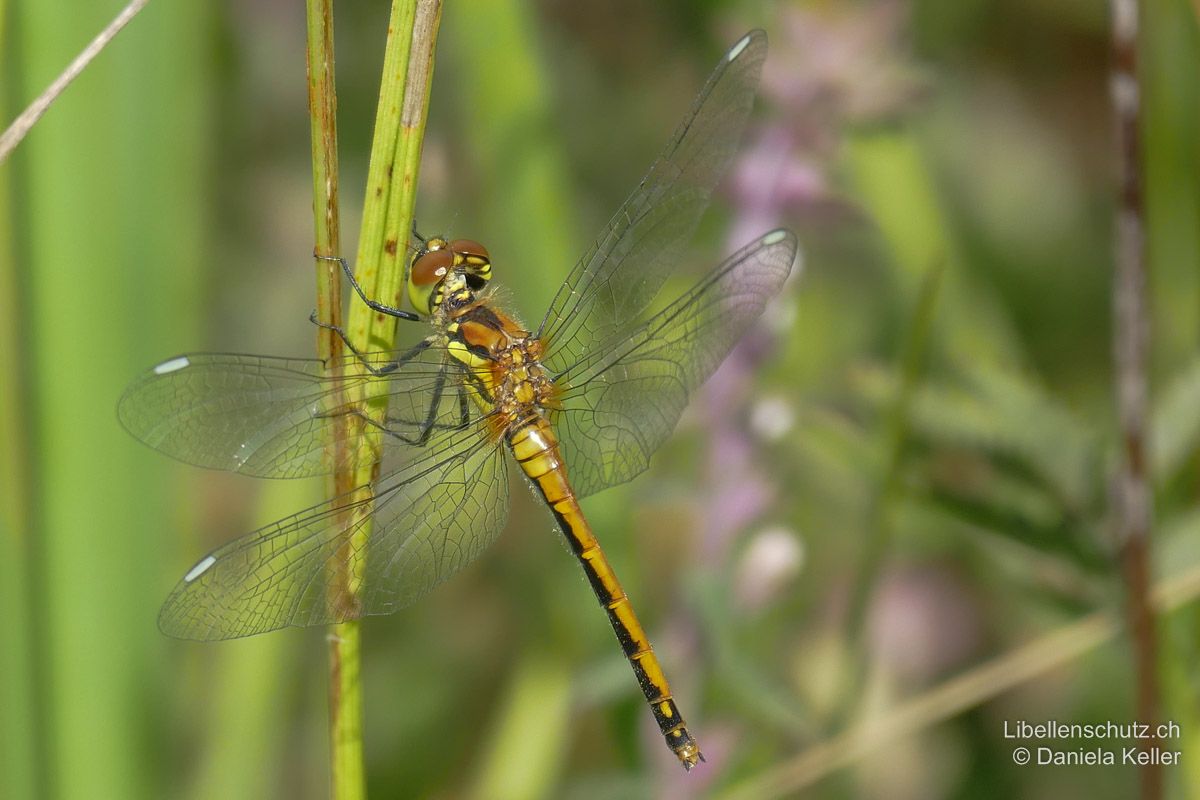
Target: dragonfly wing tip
<point>200,568</point>
<point>172,366</point>
<point>737,49</point>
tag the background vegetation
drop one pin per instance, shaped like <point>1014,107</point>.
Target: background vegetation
<point>898,484</point>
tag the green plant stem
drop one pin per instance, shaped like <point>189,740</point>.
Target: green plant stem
<point>347,775</point>
<point>382,248</point>
<point>347,778</point>
<point>391,195</point>
<point>392,174</point>
<point>22,742</point>
<point>883,505</point>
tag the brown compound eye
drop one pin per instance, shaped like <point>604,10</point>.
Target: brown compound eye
<point>471,251</point>
<point>474,260</point>
<point>431,267</point>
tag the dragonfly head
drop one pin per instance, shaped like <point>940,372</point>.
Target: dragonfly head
<point>459,266</point>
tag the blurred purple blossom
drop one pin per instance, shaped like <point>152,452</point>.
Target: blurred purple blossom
<point>771,178</point>
<point>829,68</point>
<point>772,559</point>
<point>772,417</point>
<point>924,621</point>
<point>739,492</point>
<point>838,64</point>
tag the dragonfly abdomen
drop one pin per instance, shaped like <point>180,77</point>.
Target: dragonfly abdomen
<point>535,447</point>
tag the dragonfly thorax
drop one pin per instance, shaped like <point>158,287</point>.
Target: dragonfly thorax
<point>522,388</point>
<point>443,270</point>
<point>506,360</point>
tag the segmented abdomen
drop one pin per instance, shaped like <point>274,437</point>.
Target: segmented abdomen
<point>536,449</point>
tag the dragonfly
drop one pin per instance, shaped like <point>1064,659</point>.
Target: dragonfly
<point>580,403</point>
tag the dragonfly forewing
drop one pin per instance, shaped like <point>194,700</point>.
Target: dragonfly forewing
<point>270,417</point>
<point>622,401</point>
<point>622,272</point>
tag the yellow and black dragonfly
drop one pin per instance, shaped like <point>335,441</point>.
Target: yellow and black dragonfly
<point>581,403</point>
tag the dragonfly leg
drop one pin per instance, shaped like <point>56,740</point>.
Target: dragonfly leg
<point>329,326</point>
<point>464,409</point>
<point>464,416</point>
<point>425,428</point>
<point>351,411</point>
<point>391,366</point>
<point>391,311</point>
<point>428,425</point>
<point>417,441</point>
<point>437,426</point>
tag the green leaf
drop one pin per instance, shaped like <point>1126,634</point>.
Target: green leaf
<point>1175,423</point>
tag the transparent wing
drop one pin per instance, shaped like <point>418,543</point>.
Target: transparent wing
<point>431,517</point>
<point>620,402</point>
<point>269,417</point>
<point>623,271</point>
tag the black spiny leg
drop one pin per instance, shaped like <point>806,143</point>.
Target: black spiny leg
<point>391,366</point>
<point>429,424</point>
<point>386,369</point>
<point>391,311</point>
<point>426,427</point>
<point>464,421</point>
<point>464,411</point>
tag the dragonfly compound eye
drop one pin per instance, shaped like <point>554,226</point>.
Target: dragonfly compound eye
<point>428,270</point>
<point>431,267</point>
<point>474,260</point>
<point>472,252</point>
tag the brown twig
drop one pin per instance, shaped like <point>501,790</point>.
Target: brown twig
<point>29,117</point>
<point>1132,498</point>
<point>346,771</point>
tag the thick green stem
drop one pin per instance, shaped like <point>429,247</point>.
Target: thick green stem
<point>388,212</point>
<point>379,267</point>
<point>395,159</point>
<point>22,747</point>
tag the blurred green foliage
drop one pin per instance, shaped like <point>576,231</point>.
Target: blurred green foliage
<point>162,206</point>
